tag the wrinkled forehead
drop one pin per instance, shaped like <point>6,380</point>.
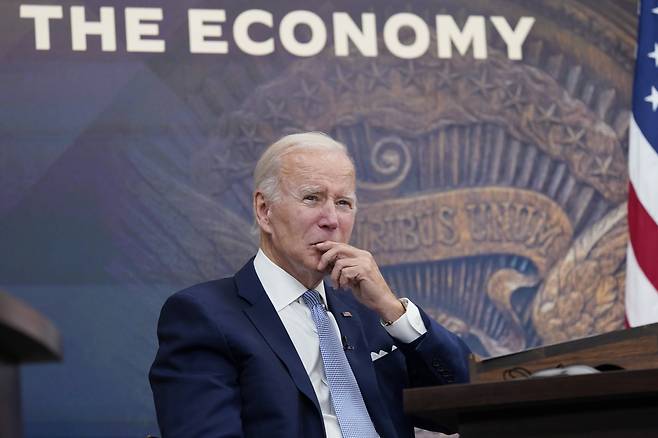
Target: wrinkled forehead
<point>307,164</point>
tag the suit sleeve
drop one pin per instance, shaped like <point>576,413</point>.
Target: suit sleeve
<point>438,357</point>
<point>194,378</point>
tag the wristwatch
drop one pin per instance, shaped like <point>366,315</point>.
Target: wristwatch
<point>404,303</point>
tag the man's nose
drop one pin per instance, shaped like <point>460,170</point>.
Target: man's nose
<point>329,217</point>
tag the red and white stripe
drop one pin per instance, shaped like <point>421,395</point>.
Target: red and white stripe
<point>642,255</point>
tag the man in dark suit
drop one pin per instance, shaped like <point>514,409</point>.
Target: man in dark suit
<point>273,351</point>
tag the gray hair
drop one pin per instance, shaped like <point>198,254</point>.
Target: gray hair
<point>268,168</point>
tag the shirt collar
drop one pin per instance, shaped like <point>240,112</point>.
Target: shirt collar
<point>281,288</point>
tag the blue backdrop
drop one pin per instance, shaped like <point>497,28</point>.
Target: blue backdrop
<point>126,174</point>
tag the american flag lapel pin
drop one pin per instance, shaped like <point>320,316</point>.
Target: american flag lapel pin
<point>346,314</point>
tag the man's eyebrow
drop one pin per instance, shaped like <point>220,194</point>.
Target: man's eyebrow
<point>309,188</point>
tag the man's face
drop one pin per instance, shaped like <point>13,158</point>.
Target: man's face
<point>316,203</point>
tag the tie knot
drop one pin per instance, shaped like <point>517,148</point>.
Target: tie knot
<point>312,298</point>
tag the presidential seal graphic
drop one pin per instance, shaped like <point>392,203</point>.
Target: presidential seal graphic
<point>491,189</point>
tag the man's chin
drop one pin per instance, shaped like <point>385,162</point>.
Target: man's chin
<point>312,267</point>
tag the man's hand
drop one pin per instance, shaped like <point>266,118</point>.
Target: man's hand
<point>356,269</point>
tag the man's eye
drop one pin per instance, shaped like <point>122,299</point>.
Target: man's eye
<point>345,203</point>
<point>311,198</point>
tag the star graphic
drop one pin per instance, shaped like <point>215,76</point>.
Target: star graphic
<point>343,80</point>
<point>654,54</point>
<point>308,94</point>
<point>276,111</point>
<point>549,115</point>
<point>515,99</point>
<point>653,98</point>
<point>600,165</point>
<point>376,76</point>
<point>221,161</point>
<point>249,137</point>
<point>481,84</point>
<point>445,77</point>
<point>574,136</point>
<point>410,76</point>
<point>655,10</point>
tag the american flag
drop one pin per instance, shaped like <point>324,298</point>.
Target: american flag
<point>642,255</point>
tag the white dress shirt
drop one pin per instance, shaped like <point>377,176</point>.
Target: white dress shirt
<point>285,293</point>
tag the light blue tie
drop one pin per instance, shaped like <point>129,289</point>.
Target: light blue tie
<point>346,398</point>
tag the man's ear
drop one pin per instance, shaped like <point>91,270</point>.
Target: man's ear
<point>262,210</point>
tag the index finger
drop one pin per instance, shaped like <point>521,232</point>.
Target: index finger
<point>332,251</point>
<point>325,245</point>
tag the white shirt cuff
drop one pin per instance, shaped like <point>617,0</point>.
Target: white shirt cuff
<point>409,326</point>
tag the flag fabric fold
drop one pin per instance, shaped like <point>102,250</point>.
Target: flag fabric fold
<point>642,254</point>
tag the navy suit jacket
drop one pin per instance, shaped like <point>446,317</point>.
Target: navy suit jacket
<point>226,366</point>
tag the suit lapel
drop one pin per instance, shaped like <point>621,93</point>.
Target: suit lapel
<point>360,361</point>
<point>264,317</point>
